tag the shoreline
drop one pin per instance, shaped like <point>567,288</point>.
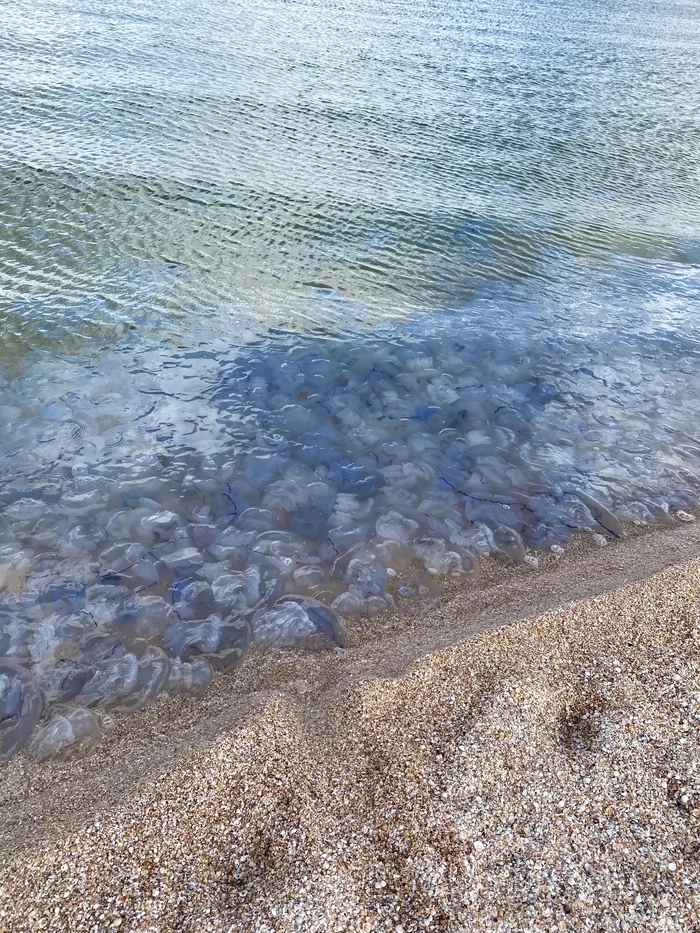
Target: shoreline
<point>547,775</point>
<point>37,801</point>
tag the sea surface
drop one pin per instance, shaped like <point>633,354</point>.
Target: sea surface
<point>306,306</point>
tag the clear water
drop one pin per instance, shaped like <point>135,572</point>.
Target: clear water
<point>306,306</point>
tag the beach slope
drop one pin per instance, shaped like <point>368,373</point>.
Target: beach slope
<point>543,775</point>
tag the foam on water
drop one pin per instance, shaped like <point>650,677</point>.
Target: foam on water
<point>164,509</point>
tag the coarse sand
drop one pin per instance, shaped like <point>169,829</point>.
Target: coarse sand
<point>542,775</point>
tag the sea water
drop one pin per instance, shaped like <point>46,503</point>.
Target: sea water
<point>308,307</point>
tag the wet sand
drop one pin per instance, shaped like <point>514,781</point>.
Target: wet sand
<point>449,771</point>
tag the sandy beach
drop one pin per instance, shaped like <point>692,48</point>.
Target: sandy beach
<point>512,761</point>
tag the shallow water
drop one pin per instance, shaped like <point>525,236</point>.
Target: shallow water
<point>308,306</point>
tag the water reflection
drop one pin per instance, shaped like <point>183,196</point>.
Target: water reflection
<point>174,158</point>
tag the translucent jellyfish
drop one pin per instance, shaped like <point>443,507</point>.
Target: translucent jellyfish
<point>189,678</point>
<point>636,513</point>
<point>232,546</point>
<point>309,578</point>
<point>21,705</point>
<point>322,616</point>
<point>183,639</point>
<point>82,539</point>
<point>356,479</point>
<point>224,642</point>
<point>285,496</point>
<point>25,509</point>
<point>254,519</point>
<point>602,515</point>
<point>120,557</point>
<point>146,615</point>
<point>294,618</point>
<point>82,503</point>
<point>112,678</point>
<point>278,544</point>
<point>63,682</point>
<point>509,544</point>
<point>366,577</point>
<point>478,538</point>
<point>184,562</point>
<point>192,599</point>
<point>397,527</point>
<point>118,524</point>
<point>281,626</point>
<point>235,637</point>
<point>152,675</point>
<point>156,527</point>
<point>349,509</point>
<point>350,603</point>
<point>436,558</point>
<point>310,524</point>
<point>71,733</point>
<point>238,591</point>
<point>15,638</point>
<point>416,594</point>
<point>204,533</point>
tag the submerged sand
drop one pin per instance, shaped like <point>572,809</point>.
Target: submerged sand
<point>540,776</point>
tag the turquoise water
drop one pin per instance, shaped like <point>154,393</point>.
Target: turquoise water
<point>307,306</point>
